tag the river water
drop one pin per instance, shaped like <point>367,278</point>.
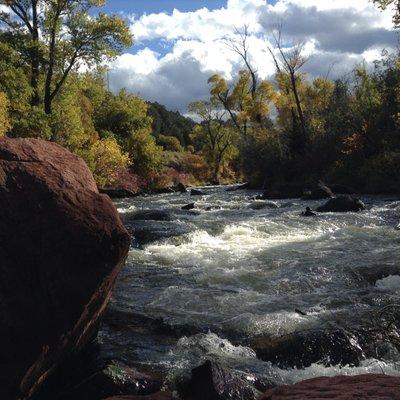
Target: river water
<point>202,285</point>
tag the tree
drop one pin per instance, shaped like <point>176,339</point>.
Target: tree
<point>383,4</point>
<point>216,139</point>
<point>106,159</point>
<point>4,118</point>
<point>169,143</point>
<point>61,36</point>
<point>289,63</point>
<point>124,117</point>
<point>248,101</point>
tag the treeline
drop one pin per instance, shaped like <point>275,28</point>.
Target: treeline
<point>292,132</point>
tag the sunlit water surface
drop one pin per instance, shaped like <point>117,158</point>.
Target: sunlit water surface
<point>236,272</point>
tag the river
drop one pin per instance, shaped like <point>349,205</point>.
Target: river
<point>229,271</point>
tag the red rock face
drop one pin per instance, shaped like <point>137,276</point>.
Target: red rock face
<point>376,387</point>
<point>62,245</point>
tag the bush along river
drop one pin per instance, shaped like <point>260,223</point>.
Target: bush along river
<point>257,288</point>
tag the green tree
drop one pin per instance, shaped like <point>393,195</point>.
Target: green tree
<point>124,116</point>
<point>60,36</point>
<point>169,143</point>
<point>216,139</point>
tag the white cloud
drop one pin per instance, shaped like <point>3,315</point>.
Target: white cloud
<point>338,33</point>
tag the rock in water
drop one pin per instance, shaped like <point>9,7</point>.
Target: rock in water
<point>302,349</point>
<point>342,204</point>
<point>373,387</point>
<point>196,192</point>
<point>190,206</point>
<point>150,215</point>
<point>114,379</point>
<point>180,187</point>
<point>62,245</point>
<point>212,381</point>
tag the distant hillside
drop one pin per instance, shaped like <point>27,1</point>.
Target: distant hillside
<point>170,123</point>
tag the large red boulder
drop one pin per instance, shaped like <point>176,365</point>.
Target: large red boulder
<point>373,387</point>
<point>62,245</point>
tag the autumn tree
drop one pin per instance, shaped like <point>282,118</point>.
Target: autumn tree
<point>125,117</point>
<point>247,102</point>
<point>214,136</point>
<point>289,63</point>
<point>60,36</point>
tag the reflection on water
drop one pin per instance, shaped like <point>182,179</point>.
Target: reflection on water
<point>235,272</point>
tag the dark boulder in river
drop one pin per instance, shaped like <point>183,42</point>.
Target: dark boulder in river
<point>62,245</point>
<point>372,387</point>
<point>196,192</point>
<point>145,232</point>
<point>212,381</point>
<point>301,349</point>
<point>342,204</point>
<point>180,187</point>
<point>150,215</point>
<point>188,207</point>
<point>113,379</point>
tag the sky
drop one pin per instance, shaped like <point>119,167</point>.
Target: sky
<point>179,43</point>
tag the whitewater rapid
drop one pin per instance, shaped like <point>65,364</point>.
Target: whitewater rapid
<point>222,276</point>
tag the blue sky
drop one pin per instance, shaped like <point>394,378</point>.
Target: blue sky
<point>176,52</point>
<point>155,6</point>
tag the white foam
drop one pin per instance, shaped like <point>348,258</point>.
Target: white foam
<point>370,366</point>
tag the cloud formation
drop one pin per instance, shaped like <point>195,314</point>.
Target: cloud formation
<point>338,34</point>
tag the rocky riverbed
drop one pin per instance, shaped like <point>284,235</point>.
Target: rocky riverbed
<point>254,287</point>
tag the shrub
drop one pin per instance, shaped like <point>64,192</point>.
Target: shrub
<point>105,158</point>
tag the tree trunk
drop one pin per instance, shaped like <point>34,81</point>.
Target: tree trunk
<point>299,110</point>
<point>35,57</point>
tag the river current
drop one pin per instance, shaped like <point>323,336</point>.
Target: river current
<point>203,284</point>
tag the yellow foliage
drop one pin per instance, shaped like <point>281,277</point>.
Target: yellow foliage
<point>106,158</point>
<point>4,118</point>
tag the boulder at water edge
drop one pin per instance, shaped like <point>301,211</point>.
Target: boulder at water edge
<point>342,204</point>
<point>62,245</point>
<point>365,387</point>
